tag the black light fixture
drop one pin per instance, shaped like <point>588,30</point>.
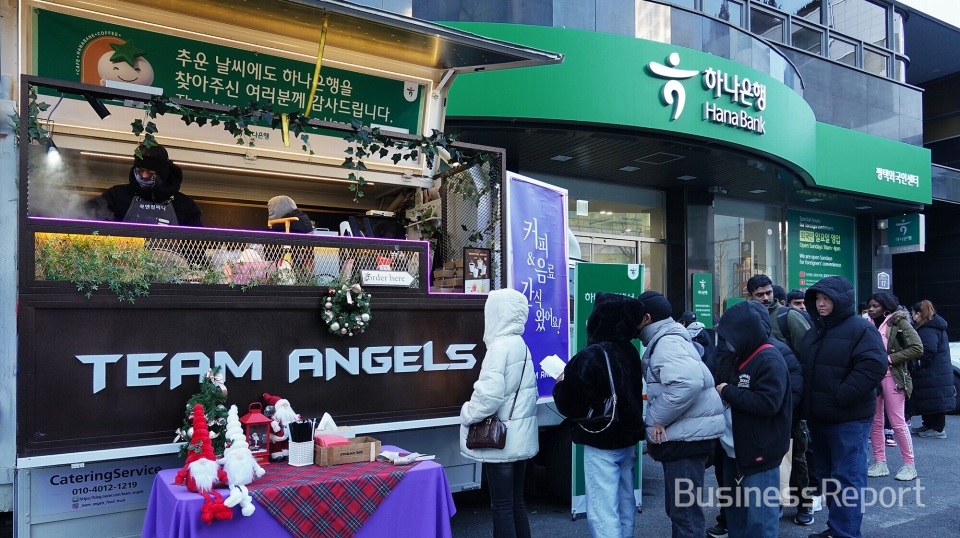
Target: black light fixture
<point>53,152</point>
<point>97,106</point>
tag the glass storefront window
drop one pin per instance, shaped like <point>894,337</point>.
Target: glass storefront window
<point>726,10</point>
<point>600,249</point>
<point>807,9</point>
<point>843,51</point>
<point>766,25</point>
<point>861,19</point>
<point>807,39</point>
<point>748,240</point>
<point>874,62</point>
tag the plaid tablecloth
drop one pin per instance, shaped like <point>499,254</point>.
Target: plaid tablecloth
<point>314,502</point>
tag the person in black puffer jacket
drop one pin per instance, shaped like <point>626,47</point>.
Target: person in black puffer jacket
<point>155,180</point>
<point>934,393</point>
<point>609,456</point>
<point>281,207</point>
<point>755,383</point>
<point>844,360</point>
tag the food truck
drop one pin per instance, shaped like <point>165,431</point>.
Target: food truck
<point>119,321</point>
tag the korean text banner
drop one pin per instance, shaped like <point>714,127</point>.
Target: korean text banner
<point>537,215</point>
<point>89,51</point>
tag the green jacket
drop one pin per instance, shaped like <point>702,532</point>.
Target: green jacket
<point>796,324</point>
<point>903,345</point>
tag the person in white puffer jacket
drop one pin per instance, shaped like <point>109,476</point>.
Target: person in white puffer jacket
<point>506,372</point>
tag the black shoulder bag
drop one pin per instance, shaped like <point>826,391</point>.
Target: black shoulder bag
<point>491,432</point>
<point>604,412</point>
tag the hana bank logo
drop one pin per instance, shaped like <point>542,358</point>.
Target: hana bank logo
<point>672,92</point>
<point>903,226</point>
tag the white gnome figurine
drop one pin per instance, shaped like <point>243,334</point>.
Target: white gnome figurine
<point>239,464</point>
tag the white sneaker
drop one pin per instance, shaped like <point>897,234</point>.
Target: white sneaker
<point>818,503</point>
<point>878,469</point>
<point>907,473</point>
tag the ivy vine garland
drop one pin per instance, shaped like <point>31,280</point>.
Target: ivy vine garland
<point>346,310</point>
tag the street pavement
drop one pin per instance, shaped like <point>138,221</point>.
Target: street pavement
<point>938,466</point>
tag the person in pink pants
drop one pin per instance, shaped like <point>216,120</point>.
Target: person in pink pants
<point>903,345</point>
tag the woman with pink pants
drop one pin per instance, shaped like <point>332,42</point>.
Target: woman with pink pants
<point>903,345</point>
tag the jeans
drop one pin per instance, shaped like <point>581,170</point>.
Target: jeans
<point>935,421</point>
<point>611,506</point>
<point>754,513</point>
<point>686,521</point>
<point>891,400</point>
<point>840,456</point>
<point>505,481</point>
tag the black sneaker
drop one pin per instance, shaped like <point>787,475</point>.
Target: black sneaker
<point>717,532</point>
<point>804,516</point>
<point>825,534</point>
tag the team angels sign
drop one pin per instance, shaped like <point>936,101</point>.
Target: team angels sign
<point>744,94</point>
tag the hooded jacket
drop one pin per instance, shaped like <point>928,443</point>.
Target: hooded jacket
<point>843,357</point>
<point>507,358</point>
<point>117,199</point>
<point>611,327</point>
<point>933,387</point>
<point>795,371</point>
<point>758,388</point>
<point>281,207</point>
<point>681,394</point>
<point>903,345</point>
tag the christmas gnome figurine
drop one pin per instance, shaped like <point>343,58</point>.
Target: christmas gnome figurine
<point>279,447</point>
<point>201,472</point>
<point>239,464</point>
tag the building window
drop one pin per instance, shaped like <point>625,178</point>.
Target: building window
<point>860,19</point>
<point>806,38</point>
<point>748,240</point>
<point>805,9</point>
<point>766,25</point>
<point>726,10</point>
<point>897,32</point>
<point>843,51</point>
<point>875,62</point>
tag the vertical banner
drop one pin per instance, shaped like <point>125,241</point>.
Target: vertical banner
<point>819,246</point>
<point>701,294</point>
<point>537,250</point>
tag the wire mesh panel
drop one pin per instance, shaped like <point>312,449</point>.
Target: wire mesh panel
<point>101,258</point>
<point>471,213</point>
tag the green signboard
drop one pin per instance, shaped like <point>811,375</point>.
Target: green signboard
<point>624,81</point>
<point>701,293</point>
<point>590,278</point>
<point>907,233</point>
<point>625,279</point>
<point>819,246</point>
<point>859,162</point>
<point>84,50</point>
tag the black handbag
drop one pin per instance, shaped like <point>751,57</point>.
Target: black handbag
<point>491,432</point>
<point>604,412</point>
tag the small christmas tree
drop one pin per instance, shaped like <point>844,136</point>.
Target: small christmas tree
<point>211,397</point>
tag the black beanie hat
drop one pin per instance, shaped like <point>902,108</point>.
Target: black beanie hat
<point>656,305</point>
<point>153,158</point>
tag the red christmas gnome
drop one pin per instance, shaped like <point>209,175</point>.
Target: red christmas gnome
<point>201,471</point>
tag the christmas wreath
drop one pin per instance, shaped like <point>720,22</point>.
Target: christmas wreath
<point>346,310</point>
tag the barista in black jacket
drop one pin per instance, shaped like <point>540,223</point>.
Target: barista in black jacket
<point>755,383</point>
<point>152,193</point>
<point>844,360</point>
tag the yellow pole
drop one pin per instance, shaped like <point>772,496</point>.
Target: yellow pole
<point>285,126</point>
<point>316,70</point>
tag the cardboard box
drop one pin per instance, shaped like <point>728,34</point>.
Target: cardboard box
<point>457,264</point>
<point>444,273</point>
<point>360,449</point>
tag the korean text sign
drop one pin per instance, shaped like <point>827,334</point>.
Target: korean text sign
<point>818,246</point>
<point>84,50</point>
<point>537,243</point>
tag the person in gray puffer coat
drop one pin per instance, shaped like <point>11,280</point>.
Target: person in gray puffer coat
<point>684,412</point>
<point>506,375</point>
<point>281,207</point>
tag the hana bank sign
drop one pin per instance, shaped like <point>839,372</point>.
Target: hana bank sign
<point>744,94</point>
